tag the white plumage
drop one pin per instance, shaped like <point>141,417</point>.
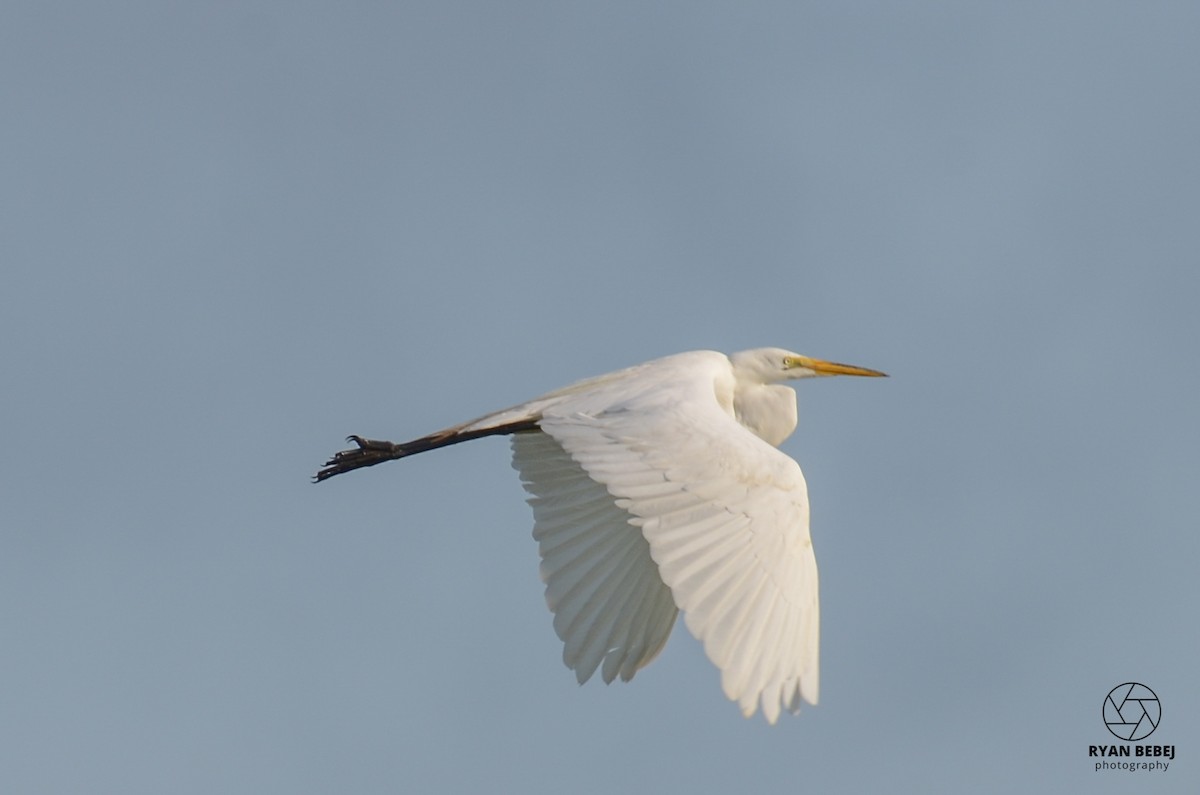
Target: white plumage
<point>657,489</point>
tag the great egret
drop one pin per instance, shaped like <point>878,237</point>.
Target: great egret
<point>659,488</point>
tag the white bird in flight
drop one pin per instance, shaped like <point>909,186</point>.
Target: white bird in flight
<point>660,488</point>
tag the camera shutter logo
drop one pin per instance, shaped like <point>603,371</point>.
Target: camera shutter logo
<point>1132,711</point>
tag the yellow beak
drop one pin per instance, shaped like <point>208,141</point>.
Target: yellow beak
<point>822,367</point>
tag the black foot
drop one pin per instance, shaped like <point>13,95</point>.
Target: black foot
<point>368,453</point>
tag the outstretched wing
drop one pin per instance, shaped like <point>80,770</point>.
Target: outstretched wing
<point>725,516</point>
<point>609,604</point>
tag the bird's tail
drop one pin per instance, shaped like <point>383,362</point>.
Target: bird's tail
<point>370,452</point>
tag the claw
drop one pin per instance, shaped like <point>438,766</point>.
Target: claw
<point>367,452</point>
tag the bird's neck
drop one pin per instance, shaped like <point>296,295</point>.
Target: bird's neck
<point>766,410</point>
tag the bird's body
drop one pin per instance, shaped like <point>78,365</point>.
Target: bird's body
<point>659,488</point>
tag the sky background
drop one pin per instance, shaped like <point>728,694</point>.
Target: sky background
<point>233,233</point>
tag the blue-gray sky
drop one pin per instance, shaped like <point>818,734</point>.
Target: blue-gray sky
<point>233,233</point>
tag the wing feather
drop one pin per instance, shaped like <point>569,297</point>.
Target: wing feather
<point>595,627</point>
<point>611,608</point>
<point>725,518</point>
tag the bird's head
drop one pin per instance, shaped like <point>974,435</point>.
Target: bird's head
<point>770,365</point>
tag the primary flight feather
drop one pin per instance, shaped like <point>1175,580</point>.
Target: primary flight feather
<point>660,488</point>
